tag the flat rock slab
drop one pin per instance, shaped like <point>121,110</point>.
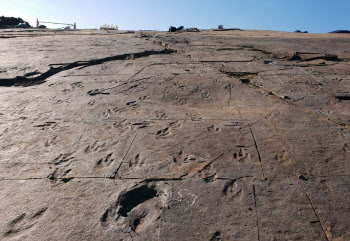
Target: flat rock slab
<point>234,135</point>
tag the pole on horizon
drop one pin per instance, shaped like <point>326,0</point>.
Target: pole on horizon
<point>37,23</point>
<point>75,26</point>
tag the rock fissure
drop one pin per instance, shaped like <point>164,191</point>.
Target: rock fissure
<point>25,81</point>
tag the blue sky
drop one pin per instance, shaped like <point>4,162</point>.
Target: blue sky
<point>315,16</point>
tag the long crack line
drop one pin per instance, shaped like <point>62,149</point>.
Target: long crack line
<point>318,219</point>
<point>126,153</point>
<point>27,81</point>
<point>258,152</point>
<point>256,213</point>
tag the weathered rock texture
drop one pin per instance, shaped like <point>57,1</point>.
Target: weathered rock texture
<point>234,135</point>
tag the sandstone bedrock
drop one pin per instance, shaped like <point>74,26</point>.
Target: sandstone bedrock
<point>146,135</point>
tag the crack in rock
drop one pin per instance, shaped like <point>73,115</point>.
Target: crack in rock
<point>26,81</point>
<point>314,56</point>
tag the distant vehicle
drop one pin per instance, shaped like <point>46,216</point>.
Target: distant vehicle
<point>67,28</point>
<point>22,25</point>
<point>42,26</point>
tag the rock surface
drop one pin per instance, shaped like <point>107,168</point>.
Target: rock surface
<point>231,135</point>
